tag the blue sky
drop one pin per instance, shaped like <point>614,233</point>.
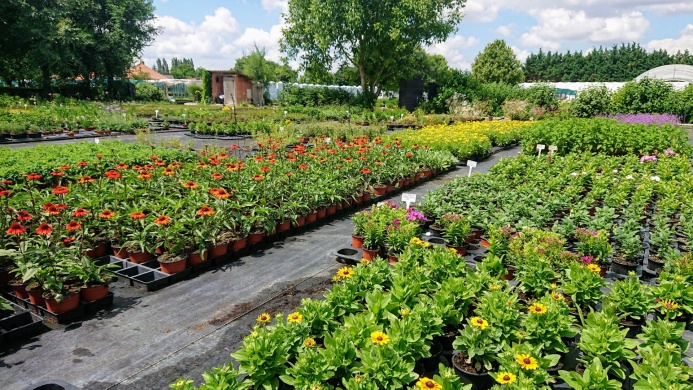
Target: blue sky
<point>216,32</point>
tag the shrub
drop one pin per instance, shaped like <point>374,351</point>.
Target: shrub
<point>684,102</point>
<point>542,95</point>
<point>315,96</point>
<point>516,109</point>
<point>195,91</point>
<point>593,100</point>
<point>148,92</point>
<point>652,96</point>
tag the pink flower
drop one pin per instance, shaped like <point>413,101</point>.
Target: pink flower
<point>669,152</point>
<point>587,259</point>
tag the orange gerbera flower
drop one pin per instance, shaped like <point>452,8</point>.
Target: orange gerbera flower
<point>113,174</point>
<point>144,176</point>
<point>86,179</point>
<point>217,176</point>
<point>303,166</point>
<point>265,169</point>
<point>106,214</point>
<point>60,190</point>
<point>57,173</point>
<point>258,158</point>
<point>205,211</point>
<point>52,210</point>
<point>168,172</point>
<point>73,225</point>
<point>4,193</point>
<point>80,212</point>
<point>365,171</point>
<point>190,184</point>
<point>15,229</point>
<point>22,215</point>
<point>162,220</point>
<point>289,174</point>
<point>258,177</point>
<point>82,164</point>
<point>137,215</point>
<point>99,156</point>
<point>121,166</point>
<point>61,206</point>
<point>33,176</point>
<point>221,193</point>
<point>44,229</point>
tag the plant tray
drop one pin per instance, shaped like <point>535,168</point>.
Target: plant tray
<point>94,306</point>
<point>349,255</point>
<point>150,281</point>
<point>19,326</point>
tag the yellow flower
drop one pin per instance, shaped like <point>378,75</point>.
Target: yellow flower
<point>557,296</point>
<point>344,273</point>
<point>294,317</point>
<point>415,240</point>
<point>537,308</point>
<point>479,322</point>
<point>493,287</point>
<point>505,378</point>
<point>365,261</point>
<point>554,286</point>
<point>452,250</point>
<point>254,334</point>
<point>379,338</point>
<point>594,268</point>
<point>426,383</point>
<point>526,361</point>
<point>264,317</point>
<point>309,342</point>
<point>404,312</point>
<point>669,304</point>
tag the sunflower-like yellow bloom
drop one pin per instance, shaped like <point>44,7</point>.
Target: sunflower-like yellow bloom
<point>526,361</point>
<point>379,338</point>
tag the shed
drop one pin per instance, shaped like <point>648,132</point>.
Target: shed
<point>236,88</point>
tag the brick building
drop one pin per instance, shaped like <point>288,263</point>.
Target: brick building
<point>236,88</point>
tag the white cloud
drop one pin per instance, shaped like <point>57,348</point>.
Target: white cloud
<point>521,54</point>
<point>271,5</point>
<point>672,45</point>
<point>560,24</point>
<point>506,30</point>
<point>673,8</point>
<point>452,50</point>
<point>481,11</point>
<point>209,43</point>
<point>269,40</point>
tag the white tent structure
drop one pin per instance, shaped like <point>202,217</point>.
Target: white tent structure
<point>673,73</point>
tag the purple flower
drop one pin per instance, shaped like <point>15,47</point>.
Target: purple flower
<point>117,108</point>
<point>646,158</point>
<point>415,215</point>
<point>647,119</point>
<point>587,259</point>
<point>593,232</point>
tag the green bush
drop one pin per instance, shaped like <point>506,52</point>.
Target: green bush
<point>148,92</point>
<point>195,92</point>
<point>315,96</point>
<point>684,102</point>
<point>593,100</point>
<point>647,96</point>
<point>496,94</point>
<point>542,95</point>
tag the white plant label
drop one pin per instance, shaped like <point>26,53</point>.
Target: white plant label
<point>96,141</point>
<point>552,148</point>
<point>471,164</point>
<point>156,113</point>
<point>540,147</point>
<point>281,128</point>
<point>327,140</point>
<point>409,199</point>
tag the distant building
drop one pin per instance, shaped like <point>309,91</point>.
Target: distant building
<point>142,70</point>
<point>230,87</point>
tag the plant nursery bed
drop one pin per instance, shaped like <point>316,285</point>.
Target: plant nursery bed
<point>220,137</point>
<point>94,306</point>
<point>19,326</point>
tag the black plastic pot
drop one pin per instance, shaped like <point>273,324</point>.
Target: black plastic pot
<point>483,381</point>
<point>623,269</point>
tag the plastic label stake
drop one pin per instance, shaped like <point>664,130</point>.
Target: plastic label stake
<point>409,199</point>
<point>471,164</point>
<point>96,141</point>
<point>540,147</point>
<point>552,148</point>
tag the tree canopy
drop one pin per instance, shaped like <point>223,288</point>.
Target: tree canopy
<point>43,39</point>
<point>256,66</point>
<point>372,36</point>
<point>497,63</point>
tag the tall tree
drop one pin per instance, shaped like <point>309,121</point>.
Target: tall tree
<point>256,66</point>
<point>497,63</point>
<point>370,35</point>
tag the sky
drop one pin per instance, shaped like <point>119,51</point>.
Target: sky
<point>216,32</point>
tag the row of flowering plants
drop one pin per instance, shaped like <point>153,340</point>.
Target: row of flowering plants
<point>382,324</point>
<point>183,211</point>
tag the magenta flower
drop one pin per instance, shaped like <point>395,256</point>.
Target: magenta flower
<point>587,259</point>
<point>669,152</point>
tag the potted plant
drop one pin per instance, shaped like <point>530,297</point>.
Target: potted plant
<point>478,344</point>
<point>548,324</point>
<point>595,244</point>
<point>630,300</point>
<point>59,296</point>
<point>360,219</point>
<point>601,338</point>
<point>456,231</point>
<point>174,259</point>
<point>399,234</point>
<point>527,364</point>
<point>95,278</point>
<point>373,239</point>
<point>661,368</point>
<point>593,376</point>
<point>583,285</point>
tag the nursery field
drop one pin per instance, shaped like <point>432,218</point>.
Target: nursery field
<point>566,266</point>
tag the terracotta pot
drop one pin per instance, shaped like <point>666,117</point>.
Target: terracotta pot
<point>428,173</point>
<point>99,251</point>
<point>195,258</point>
<point>511,273</point>
<point>69,302</point>
<point>218,251</point>
<point>370,254</point>
<point>390,187</point>
<point>469,239</point>
<point>359,199</point>
<point>331,209</point>
<point>312,217</point>
<point>36,297</point>
<point>140,257</point>
<point>173,268</point>
<point>120,253</point>
<point>93,293</point>
<point>461,250</point>
<point>401,183</point>
<point>346,204</point>
<point>476,233</point>
<point>392,257</point>
<point>322,213</point>
<point>366,196</point>
<point>19,290</point>
<point>159,251</point>
<point>239,244</point>
<point>284,226</point>
<point>254,238</point>
<point>485,243</point>
<point>356,241</point>
<point>300,221</point>
<point>380,190</point>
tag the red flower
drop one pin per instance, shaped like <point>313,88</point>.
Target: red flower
<point>137,215</point>
<point>86,179</point>
<point>303,166</point>
<point>80,212</point>
<point>60,190</point>
<point>22,215</point>
<point>7,182</point>
<point>265,169</point>
<point>72,226</point>
<point>15,229</point>
<point>47,205</point>
<point>168,172</point>
<point>106,214</point>
<point>82,164</point>
<point>234,146</point>
<point>348,159</point>
<point>409,155</point>
<point>4,193</point>
<point>160,163</point>
<point>162,220</point>
<point>68,240</point>
<point>291,159</point>
<point>154,157</point>
<point>65,167</point>
<point>57,173</point>
<point>99,156</point>
<point>121,166</point>
<point>33,176</point>
<point>289,174</point>
<point>214,162</point>
<point>221,193</point>
<point>258,158</point>
<point>190,184</point>
<point>201,164</point>
<point>144,176</point>
<point>205,211</point>
<point>365,171</point>
<point>44,229</point>
<point>217,176</point>
<point>61,206</point>
<point>113,174</point>
<point>258,177</point>
<point>52,210</point>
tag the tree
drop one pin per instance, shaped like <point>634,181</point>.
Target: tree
<point>373,36</point>
<point>497,63</point>
<point>256,66</point>
<point>183,69</point>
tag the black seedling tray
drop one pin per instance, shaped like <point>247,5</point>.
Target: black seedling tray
<point>19,326</point>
